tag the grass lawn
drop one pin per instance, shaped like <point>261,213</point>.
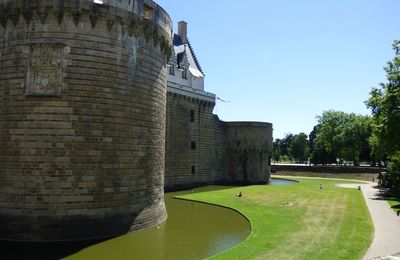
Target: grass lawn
<point>332,223</point>
<point>351,176</point>
<point>394,203</point>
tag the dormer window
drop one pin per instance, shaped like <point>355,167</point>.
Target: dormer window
<point>184,73</point>
<point>172,69</point>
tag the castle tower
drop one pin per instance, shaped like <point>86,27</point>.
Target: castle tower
<point>82,117</point>
<point>249,149</point>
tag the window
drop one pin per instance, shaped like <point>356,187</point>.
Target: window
<point>191,115</point>
<point>172,70</point>
<point>148,11</point>
<point>193,145</point>
<point>193,170</point>
<point>184,73</point>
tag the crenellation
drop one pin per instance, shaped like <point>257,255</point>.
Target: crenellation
<point>156,29</point>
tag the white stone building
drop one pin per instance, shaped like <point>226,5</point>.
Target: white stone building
<point>185,75</point>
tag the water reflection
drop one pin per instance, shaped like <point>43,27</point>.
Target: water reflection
<point>279,182</point>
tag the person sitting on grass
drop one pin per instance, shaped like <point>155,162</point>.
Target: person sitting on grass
<point>239,194</point>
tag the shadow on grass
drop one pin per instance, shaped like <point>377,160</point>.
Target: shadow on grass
<point>396,206</point>
<point>387,195</point>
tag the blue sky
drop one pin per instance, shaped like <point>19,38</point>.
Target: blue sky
<point>287,61</point>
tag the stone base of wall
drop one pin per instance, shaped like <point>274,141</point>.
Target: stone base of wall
<point>74,228</point>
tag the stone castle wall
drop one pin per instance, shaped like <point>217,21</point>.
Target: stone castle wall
<point>201,149</point>
<point>87,126</point>
<point>194,148</point>
<point>249,149</point>
<point>82,118</point>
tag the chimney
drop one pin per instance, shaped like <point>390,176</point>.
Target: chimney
<point>182,31</point>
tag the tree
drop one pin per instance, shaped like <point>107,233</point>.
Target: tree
<point>355,135</point>
<point>318,153</point>
<point>385,105</point>
<point>329,131</point>
<point>377,150</point>
<point>276,151</point>
<point>285,145</point>
<point>299,147</point>
<point>342,135</point>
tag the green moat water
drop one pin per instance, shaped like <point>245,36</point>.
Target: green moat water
<point>193,231</point>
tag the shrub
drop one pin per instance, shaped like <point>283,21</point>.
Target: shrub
<point>394,172</point>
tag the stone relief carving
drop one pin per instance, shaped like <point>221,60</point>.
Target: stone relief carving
<point>45,69</point>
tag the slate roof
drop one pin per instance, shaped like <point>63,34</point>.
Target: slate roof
<point>179,48</point>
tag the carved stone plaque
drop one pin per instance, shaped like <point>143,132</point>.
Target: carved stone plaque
<point>45,69</point>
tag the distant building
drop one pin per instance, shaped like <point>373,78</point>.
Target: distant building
<point>201,149</point>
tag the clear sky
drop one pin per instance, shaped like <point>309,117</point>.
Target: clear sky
<point>287,61</point>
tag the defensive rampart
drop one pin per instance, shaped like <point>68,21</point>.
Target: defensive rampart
<point>195,148</point>
<point>82,117</point>
<point>249,148</point>
<point>203,150</point>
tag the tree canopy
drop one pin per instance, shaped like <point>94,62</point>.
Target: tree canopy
<point>385,105</point>
<point>343,135</point>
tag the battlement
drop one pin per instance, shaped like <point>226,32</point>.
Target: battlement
<point>140,17</point>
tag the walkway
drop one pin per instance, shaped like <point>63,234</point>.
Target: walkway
<point>387,225</point>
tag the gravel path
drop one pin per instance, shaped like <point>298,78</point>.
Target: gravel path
<point>387,225</point>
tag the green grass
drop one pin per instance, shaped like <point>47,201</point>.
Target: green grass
<point>350,176</point>
<point>394,203</point>
<point>332,223</point>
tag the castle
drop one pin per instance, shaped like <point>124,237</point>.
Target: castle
<point>101,109</point>
<point>200,148</point>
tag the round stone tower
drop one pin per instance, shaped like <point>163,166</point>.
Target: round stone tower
<point>82,117</point>
<point>249,148</point>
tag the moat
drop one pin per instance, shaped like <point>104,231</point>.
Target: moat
<point>193,231</point>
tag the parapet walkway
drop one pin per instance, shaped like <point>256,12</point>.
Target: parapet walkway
<point>387,224</point>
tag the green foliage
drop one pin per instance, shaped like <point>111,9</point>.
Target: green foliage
<point>329,131</point>
<point>299,149</point>
<point>276,150</point>
<point>377,149</point>
<point>394,173</point>
<point>385,105</point>
<point>291,147</point>
<point>281,148</point>
<point>318,153</point>
<point>285,145</point>
<point>343,135</point>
